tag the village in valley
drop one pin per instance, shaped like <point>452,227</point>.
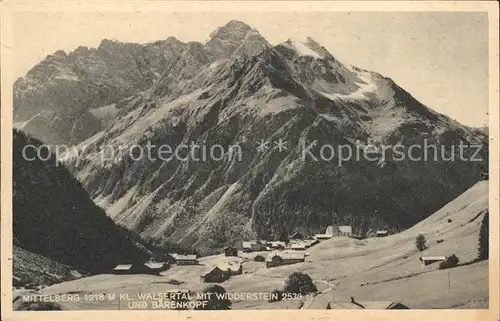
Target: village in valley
<point>433,264</point>
<point>254,254</point>
<point>272,253</point>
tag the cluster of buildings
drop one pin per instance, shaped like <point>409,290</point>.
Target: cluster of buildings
<point>154,267</point>
<point>331,231</point>
<point>281,253</point>
<point>292,244</point>
<point>296,241</point>
<point>345,230</point>
<point>290,252</point>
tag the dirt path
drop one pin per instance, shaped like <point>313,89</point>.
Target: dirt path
<point>311,299</point>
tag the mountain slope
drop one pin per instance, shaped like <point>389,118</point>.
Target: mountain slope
<point>373,269</point>
<point>389,267</point>
<point>236,90</point>
<point>54,217</point>
<point>35,269</point>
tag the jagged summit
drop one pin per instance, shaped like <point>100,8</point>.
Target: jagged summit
<point>173,39</point>
<point>61,53</point>
<point>235,38</point>
<point>109,42</point>
<point>233,30</point>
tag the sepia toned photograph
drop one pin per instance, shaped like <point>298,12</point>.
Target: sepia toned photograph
<point>232,157</point>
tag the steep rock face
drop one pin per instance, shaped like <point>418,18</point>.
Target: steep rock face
<point>199,62</point>
<point>55,218</point>
<point>236,90</point>
<point>68,86</point>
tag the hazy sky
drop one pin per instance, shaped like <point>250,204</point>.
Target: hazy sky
<point>441,58</point>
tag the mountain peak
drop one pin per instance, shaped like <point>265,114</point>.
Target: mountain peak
<point>235,37</point>
<point>232,31</point>
<point>60,53</point>
<point>236,25</point>
<point>173,39</point>
<point>108,44</point>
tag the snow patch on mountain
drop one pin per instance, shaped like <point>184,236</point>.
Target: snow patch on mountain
<point>369,85</point>
<point>302,49</point>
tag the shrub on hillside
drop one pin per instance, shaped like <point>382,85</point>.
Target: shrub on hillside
<point>420,242</point>
<point>450,262</point>
<point>299,283</point>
